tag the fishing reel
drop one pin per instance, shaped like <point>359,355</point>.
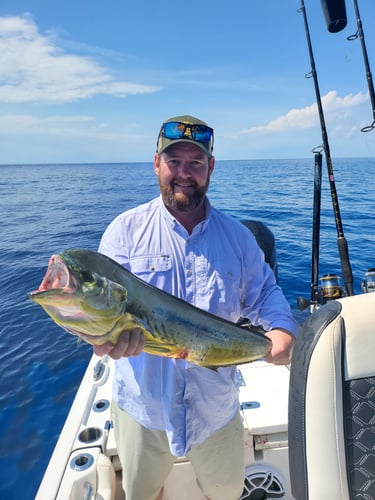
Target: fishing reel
<point>330,289</point>
<point>368,282</point>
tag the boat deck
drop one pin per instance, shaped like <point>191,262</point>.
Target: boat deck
<point>85,458</point>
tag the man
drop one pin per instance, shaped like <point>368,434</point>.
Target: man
<point>178,242</point>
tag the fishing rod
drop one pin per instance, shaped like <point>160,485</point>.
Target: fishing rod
<point>341,240</point>
<point>370,83</point>
<point>302,302</point>
<point>316,227</point>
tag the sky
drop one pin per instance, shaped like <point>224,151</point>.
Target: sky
<point>85,81</point>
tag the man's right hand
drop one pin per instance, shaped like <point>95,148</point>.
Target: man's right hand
<point>130,343</point>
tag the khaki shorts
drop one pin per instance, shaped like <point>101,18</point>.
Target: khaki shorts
<point>146,459</point>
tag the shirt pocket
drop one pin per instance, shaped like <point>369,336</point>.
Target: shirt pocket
<point>227,283</point>
<point>219,289</point>
<point>154,269</point>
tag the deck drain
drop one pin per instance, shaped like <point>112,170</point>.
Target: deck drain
<point>100,405</point>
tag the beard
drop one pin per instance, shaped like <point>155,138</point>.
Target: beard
<point>183,202</point>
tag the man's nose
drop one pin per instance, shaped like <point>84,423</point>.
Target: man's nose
<point>184,168</point>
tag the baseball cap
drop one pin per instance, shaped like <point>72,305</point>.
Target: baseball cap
<point>187,129</point>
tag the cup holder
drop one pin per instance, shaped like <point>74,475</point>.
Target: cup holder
<point>82,462</point>
<point>90,435</point>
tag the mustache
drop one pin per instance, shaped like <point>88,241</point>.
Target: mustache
<point>183,182</point>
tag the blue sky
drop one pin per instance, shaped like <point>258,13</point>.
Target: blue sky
<point>92,81</point>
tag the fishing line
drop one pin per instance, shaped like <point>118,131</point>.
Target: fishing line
<point>341,240</point>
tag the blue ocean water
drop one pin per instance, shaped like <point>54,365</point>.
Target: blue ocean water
<point>47,208</point>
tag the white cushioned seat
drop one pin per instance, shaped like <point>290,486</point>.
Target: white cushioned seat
<point>331,416</point>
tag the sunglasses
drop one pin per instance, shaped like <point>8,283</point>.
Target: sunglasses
<point>177,130</point>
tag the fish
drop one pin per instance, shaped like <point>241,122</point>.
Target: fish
<point>93,297</point>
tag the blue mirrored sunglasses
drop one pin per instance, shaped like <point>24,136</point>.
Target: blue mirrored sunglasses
<point>177,130</point>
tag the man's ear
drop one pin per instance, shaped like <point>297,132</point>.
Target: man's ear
<point>156,164</point>
<point>211,164</point>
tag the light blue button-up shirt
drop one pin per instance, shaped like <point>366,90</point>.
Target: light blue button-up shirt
<point>218,268</point>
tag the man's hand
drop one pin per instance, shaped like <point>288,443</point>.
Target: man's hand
<point>282,346</point>
<point>130,343</point>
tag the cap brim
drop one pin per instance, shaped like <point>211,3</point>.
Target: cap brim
<point>166,143</point>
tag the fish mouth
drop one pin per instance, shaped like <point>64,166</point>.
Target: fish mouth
<point>57,277</point>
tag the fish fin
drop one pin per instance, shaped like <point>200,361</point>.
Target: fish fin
<point>157,348</point>
<point>213,368</point>
<point>246,323</point>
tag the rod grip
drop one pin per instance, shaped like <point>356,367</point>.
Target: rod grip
<point>347,274</point>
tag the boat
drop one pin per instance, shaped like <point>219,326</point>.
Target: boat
<point>85,464</point>
<point>273,401</point>
<point>300,421</point>
<point>275,412</point>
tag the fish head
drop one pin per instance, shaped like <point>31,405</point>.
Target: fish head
<point>80,300</point>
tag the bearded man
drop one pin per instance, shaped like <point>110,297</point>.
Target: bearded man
<point>164,408</point>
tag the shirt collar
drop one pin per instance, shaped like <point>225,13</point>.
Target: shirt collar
<point>173,222</point>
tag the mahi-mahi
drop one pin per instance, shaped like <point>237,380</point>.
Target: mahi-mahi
<point>92,296</point>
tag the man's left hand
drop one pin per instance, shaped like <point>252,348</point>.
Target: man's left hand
<point>282,346</point>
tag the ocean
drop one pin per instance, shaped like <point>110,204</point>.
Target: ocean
<point>48,208</point>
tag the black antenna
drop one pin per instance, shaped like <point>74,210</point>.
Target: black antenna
<point>361,36</point>
<point>341,240</point>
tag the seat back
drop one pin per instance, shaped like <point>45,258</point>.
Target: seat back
<point>331,424</point>
<point>265,239</point>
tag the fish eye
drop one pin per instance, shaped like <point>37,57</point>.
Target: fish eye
<point>87,277</point>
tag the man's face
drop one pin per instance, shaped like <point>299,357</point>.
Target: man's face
<point>184,172</point>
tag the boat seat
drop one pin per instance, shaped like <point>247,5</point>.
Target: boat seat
<point>331,415</point>
<point>265,239</point>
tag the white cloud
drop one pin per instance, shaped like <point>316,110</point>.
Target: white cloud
<point>35,69</point>
<point>84,130</point>
<point>308,117</point>
<point>29,124</point>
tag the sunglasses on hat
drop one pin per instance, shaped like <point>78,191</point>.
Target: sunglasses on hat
<point>196,132</point>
